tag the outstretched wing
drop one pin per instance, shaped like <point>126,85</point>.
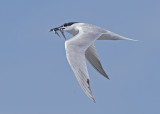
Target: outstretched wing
<point>92,57</point>
<point>75,52</point>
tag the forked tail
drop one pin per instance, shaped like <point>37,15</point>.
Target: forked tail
<point>113,36</point>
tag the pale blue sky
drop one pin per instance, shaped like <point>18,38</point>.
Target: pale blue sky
<point>35,77</point>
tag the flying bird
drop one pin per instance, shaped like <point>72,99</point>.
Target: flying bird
<point>81,47</point>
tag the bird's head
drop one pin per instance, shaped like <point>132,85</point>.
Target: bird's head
<point>68,27</point>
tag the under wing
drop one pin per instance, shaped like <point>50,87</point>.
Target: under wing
<point>92,57</point>
<point>75,53</point>
<point>77,62</point>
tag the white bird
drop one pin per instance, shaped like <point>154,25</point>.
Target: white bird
<point>81,47</point>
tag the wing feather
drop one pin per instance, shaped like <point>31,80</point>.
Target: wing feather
<point>92,57</point>
<point>75,53</point>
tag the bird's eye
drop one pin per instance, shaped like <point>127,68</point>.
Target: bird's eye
<point>65,25</point>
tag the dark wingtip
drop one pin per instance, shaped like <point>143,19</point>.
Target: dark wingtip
<point>107,77</point>
<point>94,100</point>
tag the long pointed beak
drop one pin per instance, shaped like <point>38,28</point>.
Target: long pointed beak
<point>51,30</point>
<point>55,30</point>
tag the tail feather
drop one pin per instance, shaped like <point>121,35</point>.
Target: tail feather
<point>124,38</point>
<point>113,36</point>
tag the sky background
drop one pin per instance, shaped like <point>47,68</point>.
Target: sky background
<point>35,77</point>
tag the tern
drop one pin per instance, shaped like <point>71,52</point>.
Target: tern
<point>81,47</point>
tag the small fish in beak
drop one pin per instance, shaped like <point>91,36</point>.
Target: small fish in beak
<point>56,33</point>
<point>56,29</point>
<point>61,30</point>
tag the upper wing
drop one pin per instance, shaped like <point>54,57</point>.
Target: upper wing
<point>92,57</point>
<point>75,52</point>
<point>113,36</point>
